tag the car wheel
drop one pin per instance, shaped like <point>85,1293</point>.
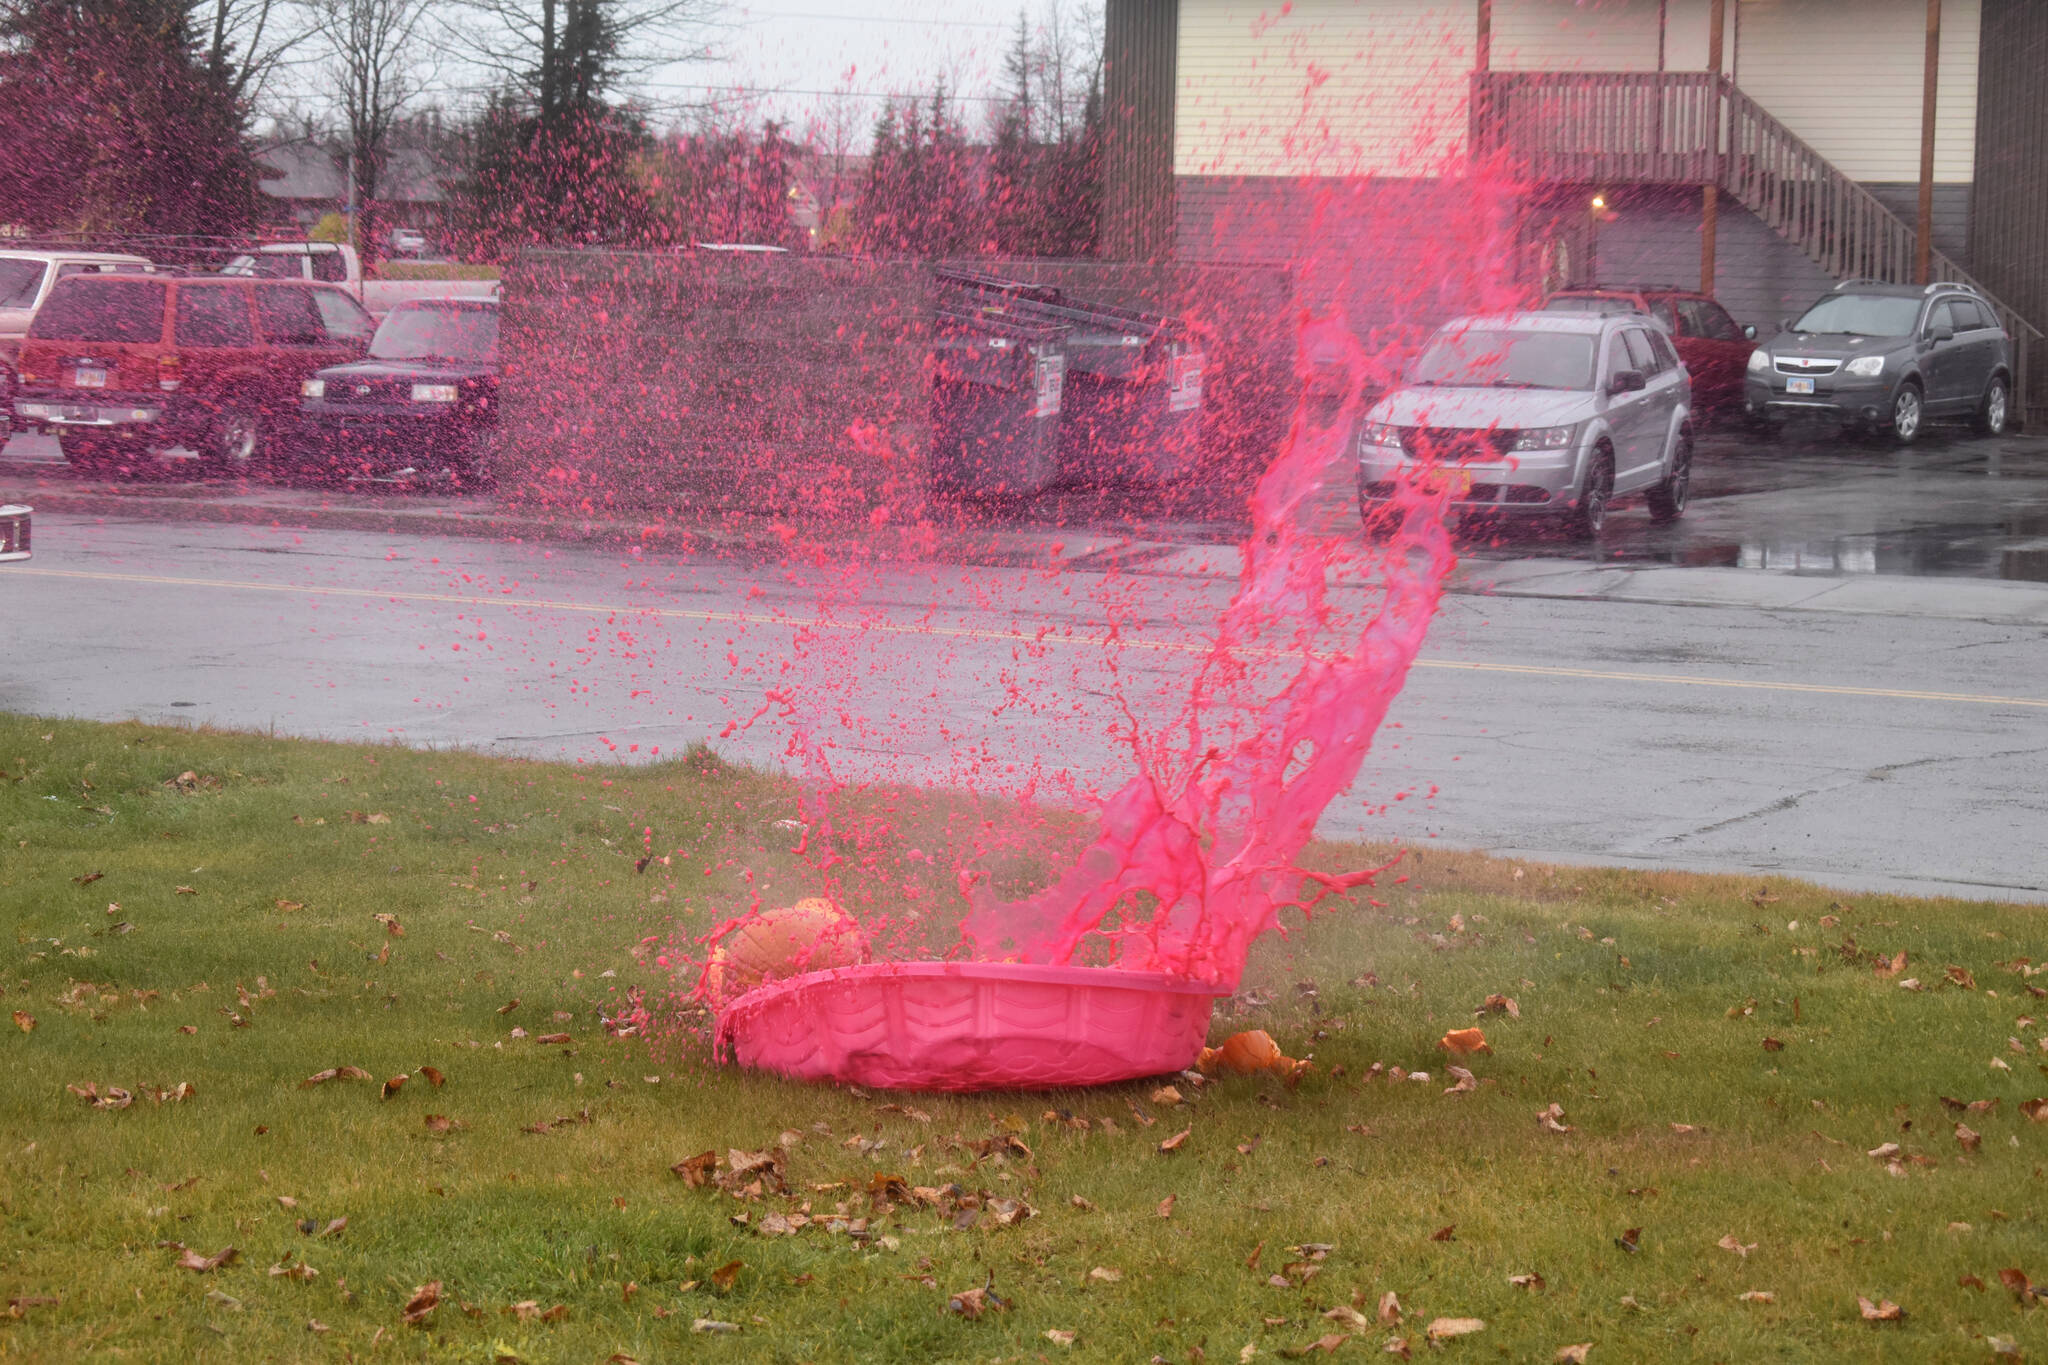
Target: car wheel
<point>1588,516</point>
<point>474,469</point>
<point>1996,408</point>
<point>1909,414</point>
<point>235,444</point>
<point>1667,499</point>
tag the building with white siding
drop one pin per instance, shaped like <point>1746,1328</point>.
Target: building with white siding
<point>1342,136</point>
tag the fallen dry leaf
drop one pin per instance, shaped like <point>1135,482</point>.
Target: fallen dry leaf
<point>1773,1045</point>
<point>1574,1354</point>
<point>441,1123</point>
<point>1350,1317</point>
<point>1103,1274</point>
<point>433,1076</point>
<point>1166,1205</point>
<point>1499,1004</point>
<point>1166,1096</point>
<point>1757,1296</point>
<point>393,1086</point>
<point>1443,1329</point>
<point>697,1171</point>
<point>1326,1344</point>
<point>509,1006</point>
<point>1396,1346</point>
<point>335,1227</point>
<point>1058,1337</point>
<point>1531,1281</point>
<point>1464,1080</point>
<point>722,1278</point>
<point>1961,977</point>
<point>972,1303</point>
<point>1085,1205</point>
<point>1884,1310</point>
<point>1736,1245</point>
<point>421,1305</point>
<point>25,1021</point>
<point>1551,1120</point>
<point>1174,1143</point>
<point>1883,1152</point>
<point>317,1327</point>
<point>713,1325</point>
<point>390,923</point>
<point>192,1260</point>
<point>1969,1137</point>
<point>1445,1233</point>
<point>185,890</point>
<point>551,1039</point>
<point>2037,1110</point>
<point>334,1073</point>
<point>1390,1308</point>
<point>289,1270</point>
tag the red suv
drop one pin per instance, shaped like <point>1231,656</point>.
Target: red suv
<point>1715,350</point>
<point>121,366</point>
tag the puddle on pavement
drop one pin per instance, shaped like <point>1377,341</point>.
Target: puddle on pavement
<point>2015,548</point>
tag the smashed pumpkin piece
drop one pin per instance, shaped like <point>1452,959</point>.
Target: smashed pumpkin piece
<point>1463,1042</point>
<point>1248,1053</point>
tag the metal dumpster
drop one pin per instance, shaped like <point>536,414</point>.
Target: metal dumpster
<point>1133,406</point>
<point>996,393</point>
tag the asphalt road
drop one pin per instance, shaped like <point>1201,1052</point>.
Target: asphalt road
<point>1864,750</point>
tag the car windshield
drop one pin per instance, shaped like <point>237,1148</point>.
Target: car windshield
<point>19,281</point>
<point>457,333</point>
<point>267,265</point>
<point>1588,303</point>
<point>1503,359</point>
<point>1863,315</point>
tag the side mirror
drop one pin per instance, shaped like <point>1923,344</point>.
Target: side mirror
<point>1749,331</point>
<point>1944,334</point>
<point>1627,381</point>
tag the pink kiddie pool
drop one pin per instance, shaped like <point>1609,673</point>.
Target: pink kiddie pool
<point>969,1025</point>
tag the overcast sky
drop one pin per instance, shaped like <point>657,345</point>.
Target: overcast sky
<point>798,60</point>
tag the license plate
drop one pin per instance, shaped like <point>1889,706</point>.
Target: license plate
<point>89,379</point>
<point>1799,386</point>
<point>1457,483</point>
<point>75,412</point>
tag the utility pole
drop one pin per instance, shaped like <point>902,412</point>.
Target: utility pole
<point>1923,237</point>
<point>1710,197</point>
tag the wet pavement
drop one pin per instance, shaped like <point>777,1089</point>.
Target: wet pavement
<point>1898,748</point>
<point>1952,506</point>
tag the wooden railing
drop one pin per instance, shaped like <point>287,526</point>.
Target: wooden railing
<point>1693,128</point>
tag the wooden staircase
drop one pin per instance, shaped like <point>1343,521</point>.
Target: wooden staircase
<point>1694,128</point>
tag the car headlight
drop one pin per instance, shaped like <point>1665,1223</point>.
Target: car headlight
<point>1380,434</point>
<point>1759,361</point>
<point>312,388</point>
<point>433,393</point>
<point>1866,366</point>
<point>1544,438</point>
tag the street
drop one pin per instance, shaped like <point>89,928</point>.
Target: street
<point>1722,722</point>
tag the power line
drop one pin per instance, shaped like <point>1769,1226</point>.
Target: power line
<point>876,19</point>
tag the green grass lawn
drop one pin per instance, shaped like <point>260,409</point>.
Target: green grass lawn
<point>432,270</point>
<point>221,934</point>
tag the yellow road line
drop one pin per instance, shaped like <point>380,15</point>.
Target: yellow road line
<point>1006,636</point>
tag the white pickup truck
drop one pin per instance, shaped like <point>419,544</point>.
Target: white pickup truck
<point>337,263</point>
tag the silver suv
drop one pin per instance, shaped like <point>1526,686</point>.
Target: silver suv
<point>1554,414</point>
<point>1877,357</point>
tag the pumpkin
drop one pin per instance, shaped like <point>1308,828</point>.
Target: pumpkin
<point>1243,1054</point>
<point>810,936</point>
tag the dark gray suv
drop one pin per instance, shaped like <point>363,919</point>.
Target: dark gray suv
<point>1887,357</point>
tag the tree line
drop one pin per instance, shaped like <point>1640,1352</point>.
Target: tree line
<point>138,117</point>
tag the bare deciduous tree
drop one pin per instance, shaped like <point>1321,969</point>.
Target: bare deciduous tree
<point>563,56</point>
<point>374,53</point>
<point>245,41</point>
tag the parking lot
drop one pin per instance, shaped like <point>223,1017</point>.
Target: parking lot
<point>1953,505</point>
